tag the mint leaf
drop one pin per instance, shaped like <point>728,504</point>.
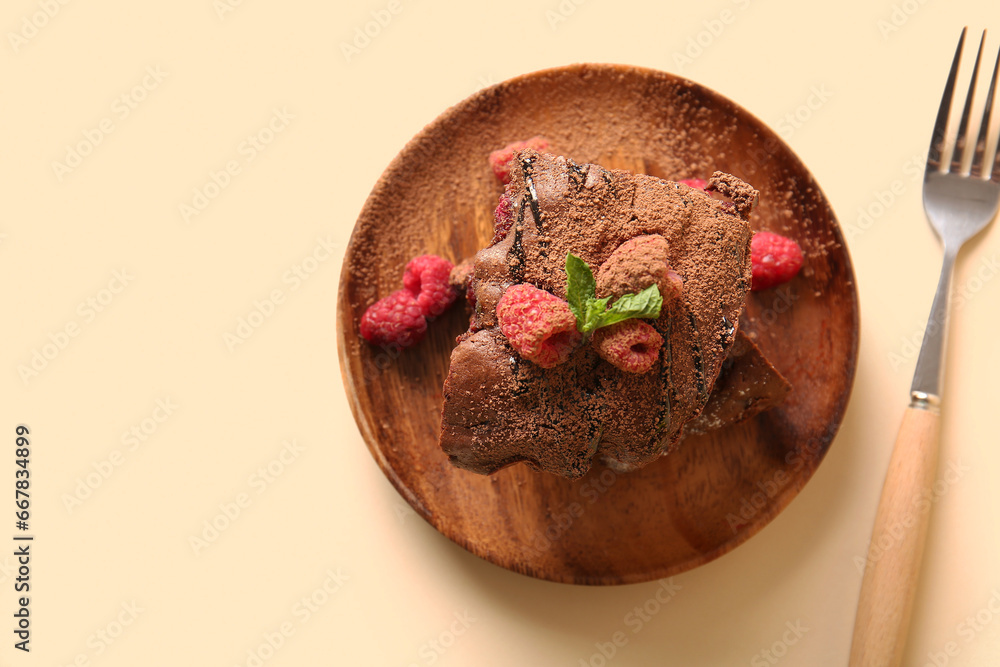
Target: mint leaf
<point>580,287</point>
<point>593,313</point>
<point>646,303</point>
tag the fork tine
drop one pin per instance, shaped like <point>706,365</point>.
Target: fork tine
<point>979,160</point>
<point>961,139</point>
<point>995,171</point>
<point>941,124</point>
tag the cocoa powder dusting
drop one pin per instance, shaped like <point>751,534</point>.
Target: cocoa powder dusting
<point>634,266</point>
<point>438,196</point>
<point>744,196</point>
<point>499,408</point>
<point>461,274</point>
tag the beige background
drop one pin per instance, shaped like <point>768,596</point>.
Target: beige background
<point>116,579</point>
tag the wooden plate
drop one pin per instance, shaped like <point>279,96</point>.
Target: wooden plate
<point>715,491</point>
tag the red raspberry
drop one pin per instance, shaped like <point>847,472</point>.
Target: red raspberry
<point>500,160</point>
<point>396,319</point>
<point>503,218</point>
<point>697,183</point>
<point>426,277</point>
<point>539,325</point>
<point>632,345</point>
<point>671,286</point>
<point>776,259</point>
<point>635,265</point>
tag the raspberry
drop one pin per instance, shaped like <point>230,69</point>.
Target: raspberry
<point>539,325</point>
<point>503,218</point>
<point>696,183</point>
<point>637,264</point>
<point>426,277</point>
<point>632,345</point>
<point>396,319</point>
<point>776,259</point>
<point>500,160</point>
<point>671,285</point>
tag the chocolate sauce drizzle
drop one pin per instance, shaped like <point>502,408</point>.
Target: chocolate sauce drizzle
<point>666,374</point>
<point>699,365</point>
<point>577,176</point>
<point>728,329</point>
<point>527,167</point>
<point>515,256</point>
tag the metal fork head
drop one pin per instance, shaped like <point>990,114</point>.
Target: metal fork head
<point>960,204</point>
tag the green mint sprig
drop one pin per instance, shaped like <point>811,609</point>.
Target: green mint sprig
<point>593,313</point>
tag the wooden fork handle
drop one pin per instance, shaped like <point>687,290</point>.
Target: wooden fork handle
<point>897,543</point>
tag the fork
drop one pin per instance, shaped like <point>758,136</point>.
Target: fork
<point>959,205</point>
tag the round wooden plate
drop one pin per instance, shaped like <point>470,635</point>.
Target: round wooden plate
<point>714,491</point>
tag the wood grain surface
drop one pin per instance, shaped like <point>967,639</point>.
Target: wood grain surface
<point>716,490</point>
